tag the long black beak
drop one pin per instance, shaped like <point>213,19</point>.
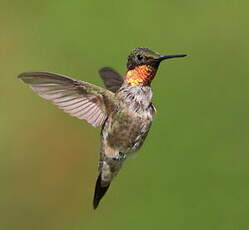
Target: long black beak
<point>161,58</point>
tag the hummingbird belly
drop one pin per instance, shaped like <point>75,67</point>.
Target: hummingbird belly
<point>125,131</point>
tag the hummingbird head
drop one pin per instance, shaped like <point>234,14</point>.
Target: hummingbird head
<point>142,65</point>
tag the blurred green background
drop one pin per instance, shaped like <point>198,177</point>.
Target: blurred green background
<point>192,172</point>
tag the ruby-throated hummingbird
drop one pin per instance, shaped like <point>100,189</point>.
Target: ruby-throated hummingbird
<point>124,109</point>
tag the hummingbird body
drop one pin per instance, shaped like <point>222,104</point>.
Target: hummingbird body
<point>126,128</point>
<point>124,109</point>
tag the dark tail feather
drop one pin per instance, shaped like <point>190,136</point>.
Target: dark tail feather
<point>100,191</point>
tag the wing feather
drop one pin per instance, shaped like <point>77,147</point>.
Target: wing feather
<point>111,78</point>
<point>80,99</point>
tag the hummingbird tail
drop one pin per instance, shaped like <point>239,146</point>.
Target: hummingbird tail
<point>100,191</point>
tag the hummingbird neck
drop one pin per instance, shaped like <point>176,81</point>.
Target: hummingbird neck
<point>140,75</point>
<point>135,97</point>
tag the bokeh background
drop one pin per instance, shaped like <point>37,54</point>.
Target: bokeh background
<point>192,172</point>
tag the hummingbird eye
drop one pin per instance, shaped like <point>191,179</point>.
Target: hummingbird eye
<point>139,57</point>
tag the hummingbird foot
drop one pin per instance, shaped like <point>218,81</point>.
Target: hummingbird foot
<point>120,156</point>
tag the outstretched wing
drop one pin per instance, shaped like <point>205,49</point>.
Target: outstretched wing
<point>80,99</point>
<point>112,79</point>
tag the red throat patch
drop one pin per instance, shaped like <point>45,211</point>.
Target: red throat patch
<point>140,75</point>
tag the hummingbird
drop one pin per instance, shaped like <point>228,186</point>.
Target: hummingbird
<point>123,109</point>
